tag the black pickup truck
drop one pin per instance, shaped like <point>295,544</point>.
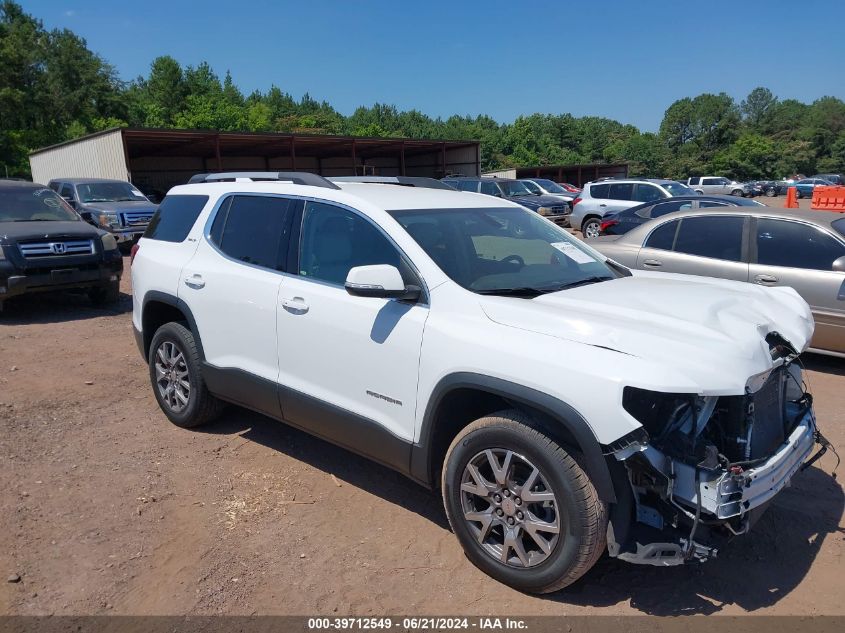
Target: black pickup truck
<point>46,245</point>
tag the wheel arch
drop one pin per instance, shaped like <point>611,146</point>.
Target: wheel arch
<point>159,308</point>
<point>477,393</point>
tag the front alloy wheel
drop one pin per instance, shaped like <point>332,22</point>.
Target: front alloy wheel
<point>510,507</point>
<point>522,507</point>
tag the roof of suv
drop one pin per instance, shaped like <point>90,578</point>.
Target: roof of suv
<point>19,184</point>
<point>656,181</point>
<point>80,181</point>
<point>386,196</point>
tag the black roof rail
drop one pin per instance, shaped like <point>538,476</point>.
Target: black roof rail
<point>296,177</point>
<point>404,181</point>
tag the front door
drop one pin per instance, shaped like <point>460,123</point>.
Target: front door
<point>800,255</point>
<point>348,365</point>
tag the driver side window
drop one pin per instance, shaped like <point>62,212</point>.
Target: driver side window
<point>335,240</point>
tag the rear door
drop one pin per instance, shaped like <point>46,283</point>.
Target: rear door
<point>620,197</point>
<point>709,246</point>
<point>233,280</point>
<point>800,255</point>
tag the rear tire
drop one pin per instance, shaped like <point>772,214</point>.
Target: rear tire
<point>590,228</point>
<point>798,195</point>
<point>545,530</point>
<point>176,377</point>
<point>737,192</point>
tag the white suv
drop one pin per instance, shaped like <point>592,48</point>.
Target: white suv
<point>612,195</point>
<point>564,404</point>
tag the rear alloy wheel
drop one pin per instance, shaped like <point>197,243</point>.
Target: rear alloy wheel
<point>737,192</point>
<point>591,228</point>
<point>771,193</point>
<point>521,506</point>
<point>176,377</point>
<point>798,194</point>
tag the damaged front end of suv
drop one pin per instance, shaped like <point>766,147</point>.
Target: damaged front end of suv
<point>702,469</point>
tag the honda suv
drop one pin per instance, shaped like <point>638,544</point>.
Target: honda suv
<point>465,342</point>
<point>45,245</point>
<point>610,196</point>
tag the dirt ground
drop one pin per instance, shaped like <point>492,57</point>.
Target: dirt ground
<point>108,508</point>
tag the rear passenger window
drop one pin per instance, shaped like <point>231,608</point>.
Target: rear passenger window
<point>669,207</point>
<point>254,230</point>
<point>599,191</point>
<point>663,237</point>
<point>467,185</point>
<point>719,237</point>
<point>175,217</point>
<point>703,204</point>
<point>621,191</point>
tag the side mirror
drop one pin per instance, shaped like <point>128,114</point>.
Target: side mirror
<point>839,264</point>
<point>381,281</point>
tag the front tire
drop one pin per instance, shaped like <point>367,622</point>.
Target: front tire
<point>522,508</point>
<point>738,193</point>
<point>176,377</point>
<point>591,228</point>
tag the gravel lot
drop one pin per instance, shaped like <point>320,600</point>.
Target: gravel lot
<point>108,508</point>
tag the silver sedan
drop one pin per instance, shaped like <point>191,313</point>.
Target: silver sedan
<point>771,247</point>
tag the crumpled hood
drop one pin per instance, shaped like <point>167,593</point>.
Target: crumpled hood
<point>703,328</point>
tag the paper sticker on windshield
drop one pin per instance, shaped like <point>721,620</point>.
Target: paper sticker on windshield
<point>573,252</point>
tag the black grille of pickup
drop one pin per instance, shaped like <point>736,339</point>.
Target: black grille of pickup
<point>136,218</point>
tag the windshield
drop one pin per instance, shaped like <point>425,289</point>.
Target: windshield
<point>34,205</point>
<point>514,188</point>
<point>839,225</point>
<point>677,189</point>
<point>503,251</point>
<point>533,188</point>
<point>109,192</point>
<point>551,187</point>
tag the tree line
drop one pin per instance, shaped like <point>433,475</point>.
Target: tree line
<point>53,88</point>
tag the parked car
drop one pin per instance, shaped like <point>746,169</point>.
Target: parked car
<point>115,206</point>
<point>836,179</point>
<point>550,207</point>
<point>544,187</point>
<point>804,250</point>
<point>804,188</point>
<point>450,319</point>
<point>718,185</point>
<point>612,195</point>
<point>772,188</point>
<point>570,187</point>
<point>623,221</point>
<point>45,245</point>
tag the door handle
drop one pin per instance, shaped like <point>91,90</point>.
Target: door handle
<point>765,279</point>
<point>652,263</point>
<point>602,205</point>
<point>195,281</point>
<point>295,304</point>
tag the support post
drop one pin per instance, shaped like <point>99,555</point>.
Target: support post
<point>217,153</point>
<point>293,153</point>
<point>354,160</point>
<point>402,159</point>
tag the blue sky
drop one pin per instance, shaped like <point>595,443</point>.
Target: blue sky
<point>628,60</point>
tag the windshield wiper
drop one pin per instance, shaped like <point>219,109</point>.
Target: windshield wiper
<point>574,284</point>
<point>512,292</point>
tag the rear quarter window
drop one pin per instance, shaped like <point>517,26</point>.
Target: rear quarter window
<point>175,217</point>
<point>599,191</point>
<point>839,226</point>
